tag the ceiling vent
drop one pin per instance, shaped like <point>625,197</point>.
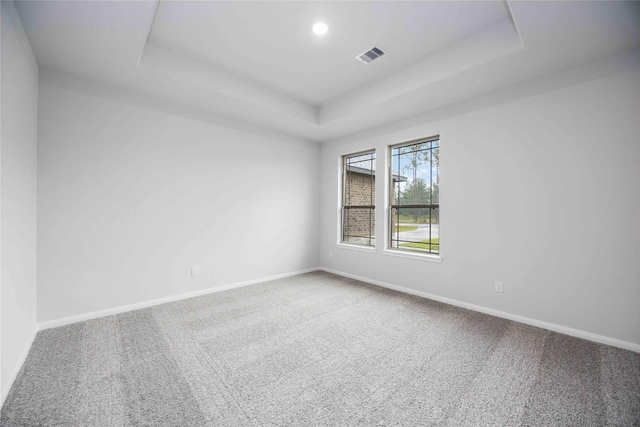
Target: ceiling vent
<point>371,55</point>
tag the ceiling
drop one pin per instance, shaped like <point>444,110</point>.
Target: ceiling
<point>259,64</point>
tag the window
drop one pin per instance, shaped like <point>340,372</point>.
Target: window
<point>414,209</point>
<point>358,198</point>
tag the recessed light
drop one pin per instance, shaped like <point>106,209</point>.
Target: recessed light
<point>320,28</point>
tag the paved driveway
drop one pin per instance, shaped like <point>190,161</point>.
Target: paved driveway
<point>422,233</point>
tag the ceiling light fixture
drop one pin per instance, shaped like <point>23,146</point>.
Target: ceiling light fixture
<point>320,28</point>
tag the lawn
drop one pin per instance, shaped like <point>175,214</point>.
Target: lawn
<point>424,244</point>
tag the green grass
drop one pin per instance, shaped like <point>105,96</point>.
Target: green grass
<point>424,244</point>
<point>404,228</point>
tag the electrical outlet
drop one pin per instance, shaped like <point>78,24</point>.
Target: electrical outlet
<point>499,287</point>
<point>330,254</point>
<point>195,271</point>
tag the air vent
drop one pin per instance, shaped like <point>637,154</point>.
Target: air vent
<point>371,55</point>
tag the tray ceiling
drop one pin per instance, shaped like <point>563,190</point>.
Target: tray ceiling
<point>259,63</point>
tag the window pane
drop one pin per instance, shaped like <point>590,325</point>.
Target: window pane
<point>359,189</point>
<point>435,174</point>
<point>359,226</point>
<point>358,201</point>
<point>416,172</point>
<point>411,235</point>
<point>415,185</point>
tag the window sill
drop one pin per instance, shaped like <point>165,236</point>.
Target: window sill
<point>369,249</point>
<point>413,255</point>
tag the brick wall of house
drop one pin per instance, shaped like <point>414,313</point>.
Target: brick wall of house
<point>359,191</point>
<point>360,223</point>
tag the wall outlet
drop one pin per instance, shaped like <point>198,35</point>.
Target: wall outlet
<point>499,287</point>
<point>330,254</point>
<point>195,271</point>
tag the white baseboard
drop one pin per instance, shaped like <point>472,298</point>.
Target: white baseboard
<point>16,369</point>
<point>136,306</point>
<point>521,319</point>
<point>122,309</point>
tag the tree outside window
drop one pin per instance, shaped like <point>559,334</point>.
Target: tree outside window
<point>415,202</point>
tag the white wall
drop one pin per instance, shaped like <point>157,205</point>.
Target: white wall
<point>539,189</point>
<point>131,198</point>
<point>18,206</point>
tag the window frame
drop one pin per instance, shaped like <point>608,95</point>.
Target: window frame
<point>342,236</point>
<point>393,204</point>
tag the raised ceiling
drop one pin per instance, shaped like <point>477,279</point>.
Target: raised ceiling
<point>259,64</point>
<point>272,43</point>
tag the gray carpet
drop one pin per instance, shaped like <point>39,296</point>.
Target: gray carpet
<point>319,349</point>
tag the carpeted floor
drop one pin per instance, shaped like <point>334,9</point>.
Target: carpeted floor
<point>318,349</point>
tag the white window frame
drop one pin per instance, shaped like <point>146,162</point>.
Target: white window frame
<point>367,247</point>
<point>407,252</point>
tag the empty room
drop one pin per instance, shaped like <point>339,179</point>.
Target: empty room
<point>251,213</point>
